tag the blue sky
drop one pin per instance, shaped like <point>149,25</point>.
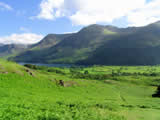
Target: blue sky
<point>37,18</point>
<point>12,21</point>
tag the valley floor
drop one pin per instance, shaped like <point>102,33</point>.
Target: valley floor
<point>91,93</point>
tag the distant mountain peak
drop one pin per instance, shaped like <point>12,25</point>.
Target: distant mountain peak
<point>95,29</point>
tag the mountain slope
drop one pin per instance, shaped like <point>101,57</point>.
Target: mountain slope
<point>76,47</point>
<point>139,48</point>
<point>36,52</point>
<point>97,44</point>
<point>7,50</point>
<point>50,40</point>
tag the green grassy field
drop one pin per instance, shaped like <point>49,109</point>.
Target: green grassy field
<point>91,93</point>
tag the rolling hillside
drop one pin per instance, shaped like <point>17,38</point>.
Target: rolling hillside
<point>33,93</point>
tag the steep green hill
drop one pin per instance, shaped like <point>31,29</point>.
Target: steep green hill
<point>76,47</point>
<point>36,52</point>
<point>138,48</point>
<point>49,40</point>
<point>98,44</point>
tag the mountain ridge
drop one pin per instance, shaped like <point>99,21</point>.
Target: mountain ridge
<point>95,40</point>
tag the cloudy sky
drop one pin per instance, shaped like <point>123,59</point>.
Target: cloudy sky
<point>28,21</point>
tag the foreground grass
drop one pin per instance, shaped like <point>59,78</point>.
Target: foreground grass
<point>36,96</point>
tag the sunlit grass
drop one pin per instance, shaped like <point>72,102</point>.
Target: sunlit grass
<point>38,97</point>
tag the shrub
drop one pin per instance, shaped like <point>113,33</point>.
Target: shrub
<point>91,76</point>
<point>157,94</point>
<point>86,72</point>
<point>30,66</point>
<point>55,71</point>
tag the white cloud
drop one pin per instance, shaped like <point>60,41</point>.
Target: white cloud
<point>50,9</point>
<point>25,38</point>
<point>104,10</point>
<point>4,6</point>
<point>147,14</point>
<point>85,12</point>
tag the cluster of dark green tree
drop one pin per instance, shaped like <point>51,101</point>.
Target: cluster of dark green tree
<point>45,68</point>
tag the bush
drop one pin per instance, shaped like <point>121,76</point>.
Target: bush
<point>56,71</point>
<point>157,94</point>
<point>86,72</point>
<point>91,76</point>
<point>74,71</point>
<point>35,67</point>
<point>30,66</point>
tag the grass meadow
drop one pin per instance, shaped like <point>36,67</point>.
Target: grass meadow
<point>88,93</point>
